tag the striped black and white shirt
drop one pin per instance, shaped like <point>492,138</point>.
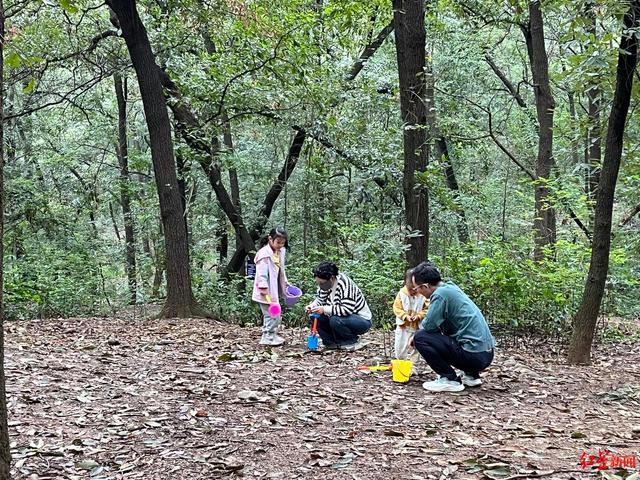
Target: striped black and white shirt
<point>345,298</point>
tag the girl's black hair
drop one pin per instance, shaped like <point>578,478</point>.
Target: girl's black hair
<point>326,270</point>
<point>277,232</point>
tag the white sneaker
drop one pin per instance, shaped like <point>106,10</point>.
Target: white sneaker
<point>353,347</point>
<point>470,381</point>
<point>443,384</point>
<point>271,340</point>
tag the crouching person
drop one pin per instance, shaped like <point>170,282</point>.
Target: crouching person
<point>344,313</point>
<point>454,333</point>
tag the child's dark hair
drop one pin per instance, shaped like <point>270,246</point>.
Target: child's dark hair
<point>277,232</point>
<point>326,270</point>
<point>427,272</point>
<point>408,276</point>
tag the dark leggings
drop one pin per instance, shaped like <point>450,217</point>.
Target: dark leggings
<point>442,353</point>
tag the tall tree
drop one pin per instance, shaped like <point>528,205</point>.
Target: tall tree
<point>585,320</point>
<point>5,452</point>
<point>125,184</point>
<point>408,18</point>
<point>180,301</point>
<point>544,222</point>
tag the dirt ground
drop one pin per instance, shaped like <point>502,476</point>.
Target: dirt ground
<point>198,399</point>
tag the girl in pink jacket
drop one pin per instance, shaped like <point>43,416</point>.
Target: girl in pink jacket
<point>271,281</point>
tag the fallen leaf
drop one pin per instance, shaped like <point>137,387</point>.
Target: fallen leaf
<point>343,461</point>
<point>227,357</point>
<point>497,473</point>
<point>87,464</point>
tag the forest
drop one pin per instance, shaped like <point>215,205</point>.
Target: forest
<point>146,149</point>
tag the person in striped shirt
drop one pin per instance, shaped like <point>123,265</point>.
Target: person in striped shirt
<point>344,313</point>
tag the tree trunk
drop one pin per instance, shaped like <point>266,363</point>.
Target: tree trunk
<point>125,184</point>
<point>180,301</point>
<point>545,217</point>
<point>181,168</point>
<point>410,34</point>
<point>452,183</point>
<point>233,173</point>
<point>585,320</point>
<point>5,452</point>
<point>594,128</point>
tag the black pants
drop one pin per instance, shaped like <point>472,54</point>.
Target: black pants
<point>442,353</point>
<point>341,331</point>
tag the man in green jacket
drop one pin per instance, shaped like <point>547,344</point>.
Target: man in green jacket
<point>454,333</point>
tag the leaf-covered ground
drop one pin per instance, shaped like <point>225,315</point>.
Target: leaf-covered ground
<point>198,399</point>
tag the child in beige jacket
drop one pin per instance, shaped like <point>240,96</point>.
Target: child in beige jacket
<point>410,309</point>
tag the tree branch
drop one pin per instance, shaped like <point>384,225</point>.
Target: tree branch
<point>513,158</point>
<point>346,156</point>
<point>630,216</point>
<point>189,129</point>
<point>504,149</point>
<point>506,82</point>
<point>79,90</point>
<point>95,41</point>
<point>368,52</point>
<point>237,76</point>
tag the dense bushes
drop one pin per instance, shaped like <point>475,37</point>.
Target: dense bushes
<point>54,283</point>
<point>509,287</point>
<point>500,277</point>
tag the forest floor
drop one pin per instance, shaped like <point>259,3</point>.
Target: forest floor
<point>198,399</point>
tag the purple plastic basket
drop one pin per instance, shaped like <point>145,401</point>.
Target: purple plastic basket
<point>292,295</point>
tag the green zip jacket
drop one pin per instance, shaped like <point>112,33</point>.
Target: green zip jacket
<point>453,312</point>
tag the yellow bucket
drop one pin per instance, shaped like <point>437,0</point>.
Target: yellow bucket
<point>401,370</point>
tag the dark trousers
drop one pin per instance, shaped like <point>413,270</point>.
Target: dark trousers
<point>442,353</point>
<point>341,331</point>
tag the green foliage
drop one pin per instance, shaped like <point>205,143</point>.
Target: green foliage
<point>621,332</point>
<point>56,283</point>
<point>513,290</point>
